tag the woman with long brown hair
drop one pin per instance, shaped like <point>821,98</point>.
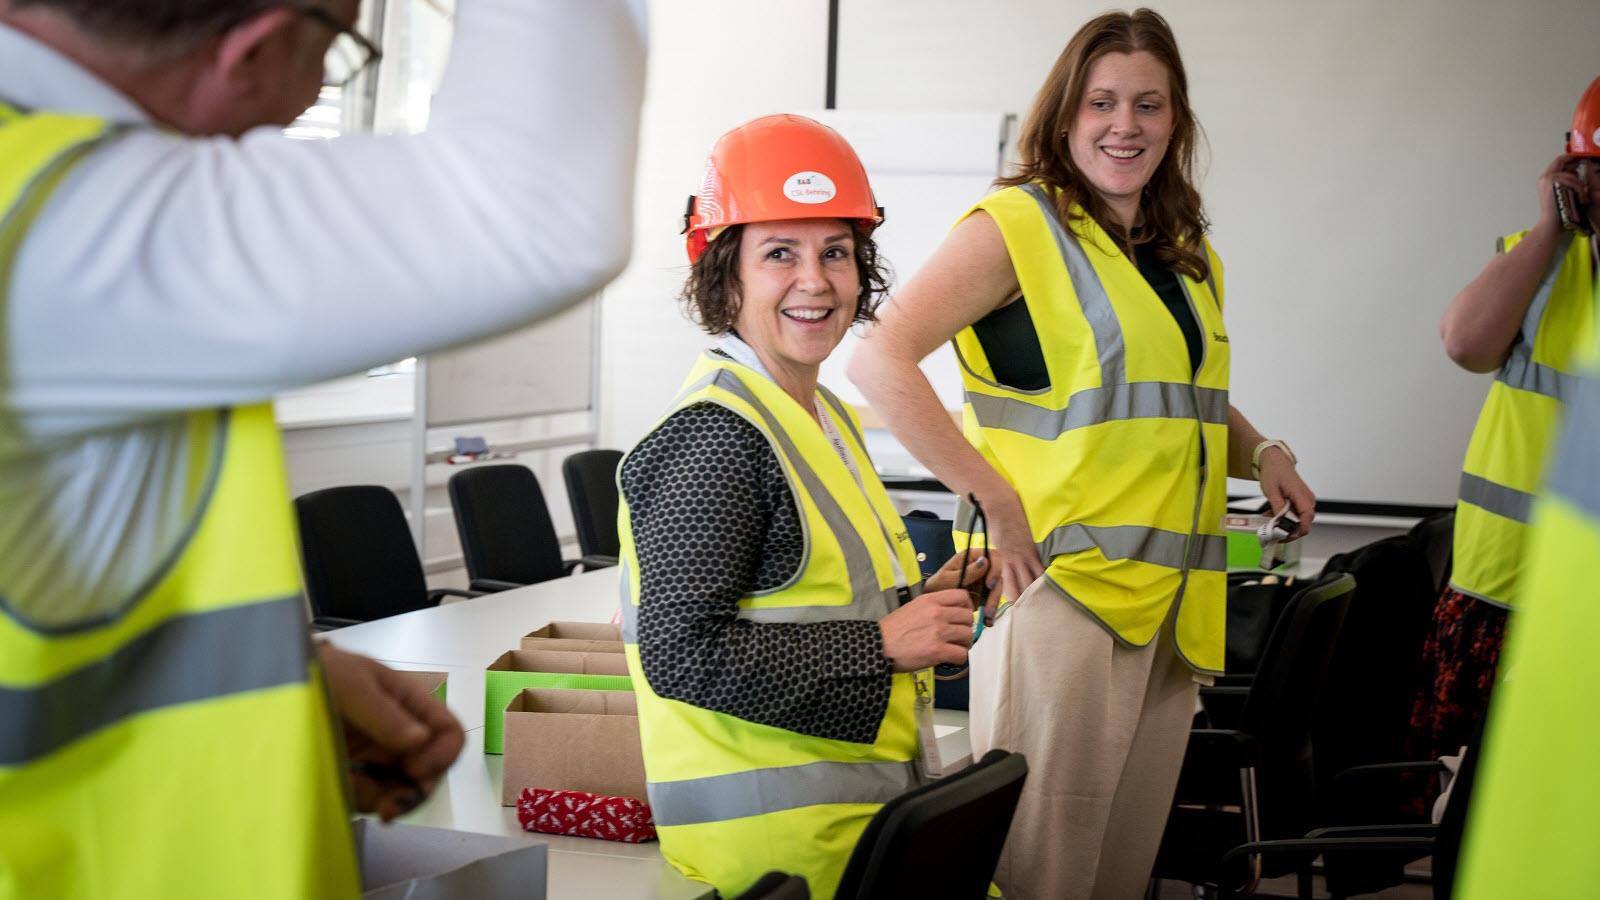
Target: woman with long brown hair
<point>1085,304</point>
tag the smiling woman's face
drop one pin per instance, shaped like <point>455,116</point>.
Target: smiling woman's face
<point>1121,131</point>
<point>798,289</point>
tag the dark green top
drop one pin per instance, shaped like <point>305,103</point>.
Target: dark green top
<point>1011,344</point>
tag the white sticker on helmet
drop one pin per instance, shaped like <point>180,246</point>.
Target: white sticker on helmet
<point>809,187</point>
<point>1597,137</point>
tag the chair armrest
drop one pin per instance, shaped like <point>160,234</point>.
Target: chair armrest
<point>597,561</point>
<point>1422,846</point>
<point>1212,764</point>
<point>329,623</point>
<point>1345,780</point>
<point>1241,679</point>
<point>1222,747</point>
<point>1224,705</point>
<point>1397,830</point>
<point>437,594</point>
<point>568,566</point>
<point>481,586</point>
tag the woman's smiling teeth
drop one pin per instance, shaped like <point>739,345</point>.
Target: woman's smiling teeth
<point>807,314</point>
<point>1117,153</point>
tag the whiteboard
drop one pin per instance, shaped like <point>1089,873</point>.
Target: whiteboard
<point>539,370</point>
<point>926,170</point>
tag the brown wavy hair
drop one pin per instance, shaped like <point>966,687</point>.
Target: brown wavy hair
<point>1174,218</point>
<point>711,294</point>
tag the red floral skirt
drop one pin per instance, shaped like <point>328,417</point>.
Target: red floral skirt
<point>1459,659</point>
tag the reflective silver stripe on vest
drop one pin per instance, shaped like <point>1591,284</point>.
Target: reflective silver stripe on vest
<point>1091,293</point>
<point>857,559</point>
<point>1093,406</point>
<point>1520,371</point>
<point>868,600</point>
<point>203,656</point>
<point>1496,498</point>
<point>718,798</point>
<point>1149,545</point>
<point>1576,473</point>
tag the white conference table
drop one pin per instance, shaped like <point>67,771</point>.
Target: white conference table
<point>460,639</point>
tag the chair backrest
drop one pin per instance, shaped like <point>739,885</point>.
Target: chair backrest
<point>357,554</point>
<point>1283,700</point>
<point>1377,665</point>
<point>1434,537</point>
<point>942,839</point>
<point>777,886</point>
<point>504,525</point>
<point>591,478</point>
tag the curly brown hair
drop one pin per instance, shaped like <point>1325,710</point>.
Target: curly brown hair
<point>1175,220</point>
<point>711,294</point>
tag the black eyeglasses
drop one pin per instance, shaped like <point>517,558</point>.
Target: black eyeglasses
<point>978,522</point>
<point>351,52</point>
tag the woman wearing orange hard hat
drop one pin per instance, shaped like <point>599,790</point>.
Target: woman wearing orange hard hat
<point>780,664</point>
<point>1523,317</point>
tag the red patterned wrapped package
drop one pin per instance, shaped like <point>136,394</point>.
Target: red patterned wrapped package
<point>582,814</point>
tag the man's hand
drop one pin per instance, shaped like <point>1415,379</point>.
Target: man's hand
<point>935,628</point>
<point>390,723</point>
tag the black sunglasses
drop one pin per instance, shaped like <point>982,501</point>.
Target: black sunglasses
<point>977,522</point>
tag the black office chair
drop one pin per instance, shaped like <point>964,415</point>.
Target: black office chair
<point>1435,538</point>
<point>940,840</point>
<point>359,561</point>
<point>506,534</point>
<point>1252,779</point>
<point>777,886</point>
<point>591,478</point>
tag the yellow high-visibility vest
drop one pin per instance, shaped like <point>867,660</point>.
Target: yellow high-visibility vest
<point>180,745</point>
<point>1519,421</point>
<point>733,799</point>
<point>1121,463</point>
<point>1531,829</point>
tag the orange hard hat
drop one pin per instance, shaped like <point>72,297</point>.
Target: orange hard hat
<point>779,167</point>
<point>1584,138</point>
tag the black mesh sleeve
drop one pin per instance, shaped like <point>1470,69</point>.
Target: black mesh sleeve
<point>713,520</point>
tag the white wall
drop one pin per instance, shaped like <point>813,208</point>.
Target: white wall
<point>1365,154</point>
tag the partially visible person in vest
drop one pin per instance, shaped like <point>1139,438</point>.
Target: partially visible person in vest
<point>169,261</point>
<point>1530,831</point>
<point>1522,318</point>
<point>782,667</point>
<point>1085,304</point>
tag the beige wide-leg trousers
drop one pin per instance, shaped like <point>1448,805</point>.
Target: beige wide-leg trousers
<point>1104,727</point>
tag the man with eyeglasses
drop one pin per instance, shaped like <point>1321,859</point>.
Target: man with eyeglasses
<point>168,262</point>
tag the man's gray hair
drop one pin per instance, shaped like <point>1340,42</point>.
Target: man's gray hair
<point>158,21</point>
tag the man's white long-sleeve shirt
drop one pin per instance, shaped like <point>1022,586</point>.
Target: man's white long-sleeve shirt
<point>170,273</point>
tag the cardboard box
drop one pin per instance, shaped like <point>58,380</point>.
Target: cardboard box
<point>1244,548</point>
<point>432,682</point>
<point>573,741</point>
<point>411,862</point>
<point>584,637</point>
<point>570,669</point>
